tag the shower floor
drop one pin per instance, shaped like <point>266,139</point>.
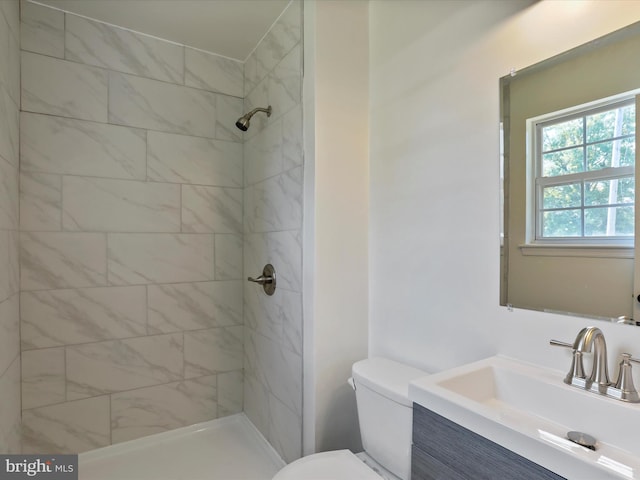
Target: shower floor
<point>229,448</point>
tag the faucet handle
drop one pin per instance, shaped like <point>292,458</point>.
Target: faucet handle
<point>576,375</point>
<point>624,388</point>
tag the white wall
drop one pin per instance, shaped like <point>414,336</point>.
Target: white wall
<point>336,217</point>
<point>434,248</point>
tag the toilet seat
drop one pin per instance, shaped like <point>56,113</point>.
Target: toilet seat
<point>335,465</point>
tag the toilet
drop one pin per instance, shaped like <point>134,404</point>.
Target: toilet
<point>385,416</point>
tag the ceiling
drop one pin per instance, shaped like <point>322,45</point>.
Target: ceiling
<point>227,27</point>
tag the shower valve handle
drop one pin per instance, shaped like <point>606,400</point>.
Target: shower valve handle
<point>267,279</point>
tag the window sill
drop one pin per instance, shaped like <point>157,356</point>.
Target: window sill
<point>569,250</point>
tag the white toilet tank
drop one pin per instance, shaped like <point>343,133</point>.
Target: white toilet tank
<point>385,411</point>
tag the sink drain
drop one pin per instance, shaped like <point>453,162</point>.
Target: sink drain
<point>582,439</point>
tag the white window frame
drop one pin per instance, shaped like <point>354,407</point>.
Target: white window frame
<point>620,247</point>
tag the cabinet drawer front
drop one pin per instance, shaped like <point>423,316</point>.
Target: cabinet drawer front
<point>425,467</point>
<point>469,454</point>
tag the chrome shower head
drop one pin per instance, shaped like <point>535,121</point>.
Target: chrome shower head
<point>243,122</point>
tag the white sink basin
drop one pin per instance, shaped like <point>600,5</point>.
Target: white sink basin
<point>529,410</point>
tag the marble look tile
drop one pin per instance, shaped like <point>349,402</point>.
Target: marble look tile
<point>10,9</point>
<point>14,261</point>
<point>194,306</point>
<point>67,428</point>
<point>284,85</point>
<point>43,377</point>
<point>211,209</point>
<point>276,203</point>
<point>68,89</point>
<point>61,260</point>
<point>42,29</point>
<point>159,258</point>
<point>157,409</point>
<point>250,73</point>
<point>108,46</point>
<point>194,160</point>
<point>256,403</point>
<point>5,281</point>
<point>292,147</point>
<point>9,332</point>
<point>213,72</point>
<point>228,110</point>
<point>66,317</point>
<point>10,60</point>
<point>282,249</point>
<point>118,365</point>
<point>278,317</point>
<point>258,97</point>
<point>207,352</point>
<point>228,257</point>
<point>285,33</point>
<point>102,205</point>
<point>285,430</point>
<point>139,102</point>
<point>10,412</point>
<point>263,154</point>
<point>40,201</point>
<point>230,393</point>
<point>9,128</point>
<point>9,212</point>
<point>75,147</point>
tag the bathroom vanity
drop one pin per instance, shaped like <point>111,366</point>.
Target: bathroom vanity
<point>502,418</point>
<point>443,450</point>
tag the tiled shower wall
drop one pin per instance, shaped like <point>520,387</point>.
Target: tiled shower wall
<point>9,271</point>
<point>273,169</point>
<point>131,201</point>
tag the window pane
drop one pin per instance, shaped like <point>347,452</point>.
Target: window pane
<point>561,223</point>
<point>606,192</point>
<point>615,153</point>
<point>561,135</point>
<point>610,124</point>
<point>563,162</point>
<point>561,196</point>
<point>609,221</point>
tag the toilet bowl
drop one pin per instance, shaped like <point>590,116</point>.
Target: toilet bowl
<point>385,416</point>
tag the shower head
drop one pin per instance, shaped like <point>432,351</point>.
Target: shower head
<point>243,122</point>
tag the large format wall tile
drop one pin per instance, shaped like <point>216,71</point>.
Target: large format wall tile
<point>139,102</point>
<point>276,203</point>
<point>40,202</point>
<point>263,154</point>
<point>67,317</point>
<point>58,87</point>
<point>156,409</point>
<point>228,257</point>
<point>42,30</point>
<point>282,249</point>
<point>96,204</point>
<point>213,72</point>
<point>10,58</point>
<point>159,258</point>
<point>43,377</point>
<point>194,160</point>
<point>61,260</point>
<point>71,427</point>
<point>207,352</point>
<point>9,124</point>
<point>74,147</point>
<point>8,196</point>
<point>285,427</point>
<point>211,209</point>
<point>10,415</point>
<point>9,332</point>
<point>118,365</point>
<point>102,45</point>
<point>193,306</point>
<point>230,393</point>
<point>228,110</point>
<point>285,33</point>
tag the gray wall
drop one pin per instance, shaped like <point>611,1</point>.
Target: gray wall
<point>131,234</point>
<point>9,271</point>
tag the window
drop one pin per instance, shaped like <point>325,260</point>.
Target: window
<point>584,175</point>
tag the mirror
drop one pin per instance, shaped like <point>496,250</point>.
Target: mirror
<point>568,166</point>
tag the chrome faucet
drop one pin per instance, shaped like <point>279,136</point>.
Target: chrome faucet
<point>591,339</point>
<point>588,339</point>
